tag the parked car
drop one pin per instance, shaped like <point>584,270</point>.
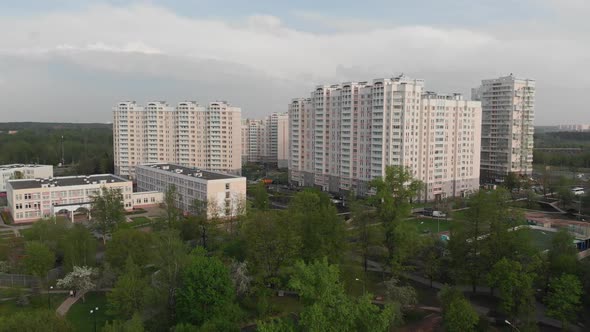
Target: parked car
<point>439,214</point>
<point>428,212</point>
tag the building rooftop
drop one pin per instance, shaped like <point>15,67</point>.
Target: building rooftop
<point>13,166</point>
<point>188,171</point>
<point>65,181</point>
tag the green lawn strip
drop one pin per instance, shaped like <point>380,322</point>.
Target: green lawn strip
<point>81,318</point>
<point>35,302</point>
<point>430,225</point>
<point>541,239</point>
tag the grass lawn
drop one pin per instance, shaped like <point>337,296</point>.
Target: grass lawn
<point>79,315</point>
<point>286,304</point>
<point>35,302</point>
<point>541,239</point>
<point>141,220</point>
<point>430,225</point>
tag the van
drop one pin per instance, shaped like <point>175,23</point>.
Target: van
<point>439,214</point>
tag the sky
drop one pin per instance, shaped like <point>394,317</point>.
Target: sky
<point>73,60</point>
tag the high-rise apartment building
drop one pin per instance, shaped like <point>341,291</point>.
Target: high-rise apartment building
<point>266,140</point>
<point>346,134</point>
<point>254,140</point>
<point>508,110</point>
<point>188,134</point>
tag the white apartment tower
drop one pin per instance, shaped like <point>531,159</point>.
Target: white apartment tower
<point>345,135</point>
<point>508,107</point>
<point>266,140</point>
<point>189,134</point>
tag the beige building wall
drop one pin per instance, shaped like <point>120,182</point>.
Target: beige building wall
<point>267,140</point>
<point>508,111</point>
<point>30,200</point>
<point>224,194</point>
<point>188,134</point>
<point>147,199</point>
<point>8,172</point>
<point>346,134</point>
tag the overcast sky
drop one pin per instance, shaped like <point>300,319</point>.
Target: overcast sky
<point>72,60</point>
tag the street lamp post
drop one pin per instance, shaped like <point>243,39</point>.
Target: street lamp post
<point>357,279</point>
<point>49,297</point>
<point>94,313</point>
<point>510,324</point>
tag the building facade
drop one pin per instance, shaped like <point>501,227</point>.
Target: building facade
<point>32,199</point>
<point>574,127</point>
<point>508,112</point>
<point>222,194</point>
<point>266,140</point>
<point>22,171</point>
<point>188,134</point>
<point>346,134</point>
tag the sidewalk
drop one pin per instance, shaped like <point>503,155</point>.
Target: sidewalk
<point>63,308</point>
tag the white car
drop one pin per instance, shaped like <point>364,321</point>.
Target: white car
<point>439,214</point>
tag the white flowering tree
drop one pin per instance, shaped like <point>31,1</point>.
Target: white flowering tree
<point>240,277</point>
<point>81,279</point>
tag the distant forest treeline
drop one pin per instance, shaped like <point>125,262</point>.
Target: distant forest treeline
<point>86,147</point>
<point>579,140</point>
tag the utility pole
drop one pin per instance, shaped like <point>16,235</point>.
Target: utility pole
<point>62,152</point>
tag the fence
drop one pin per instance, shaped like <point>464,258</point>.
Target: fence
<point>27,281</point>
<point>18,280</point>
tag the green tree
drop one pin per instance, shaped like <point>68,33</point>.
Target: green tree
<point>563,255</point>
<point>170,258</point>
<point>170,203</point>
<point>566,196</point>
<point>564,298</point>
<point>320,228</point>
<point>361,219</point>
<point>17,175</point>
<point>272,242</point>
<point>129,243</point>
<point>32,321</point>
<point>328,308</point>
<point>107,211</point>
<point>135,324</point>
<point>206,293</point>
<point>51,232</point>
<point>458,314</point>
<point>260,197</point>
<point>185,327</point>
<point>393,197</point>
<point>432,258</point>
<point>482,238</point>
<point>127,297</point>
<point>512,181</point>
<point>38,259</point>
<point>275,325</point>
<point>516,291</point>
<point>79,247</point>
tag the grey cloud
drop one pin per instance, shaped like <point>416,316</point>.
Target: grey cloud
<point>75,66</point>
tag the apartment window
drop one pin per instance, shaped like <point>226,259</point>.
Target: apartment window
<point>27,196</point>
<point>227,186</point>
